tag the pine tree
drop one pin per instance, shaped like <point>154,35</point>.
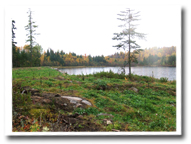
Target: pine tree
<point>128,34</point>
<point>14,54</point>
<point>30,28</point>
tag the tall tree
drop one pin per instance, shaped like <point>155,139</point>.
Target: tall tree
<point>128,34</point>
<point>14,53</point>
<point>30,28</point>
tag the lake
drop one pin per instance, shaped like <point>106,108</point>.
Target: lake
<point>157,72</point>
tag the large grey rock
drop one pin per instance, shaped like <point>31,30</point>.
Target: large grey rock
<point>72,98</point>
<point>77,101</point>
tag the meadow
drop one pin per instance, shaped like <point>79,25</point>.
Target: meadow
<point>119,102</point>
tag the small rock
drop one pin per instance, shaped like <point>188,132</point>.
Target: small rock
<point>104,114</point>
<point>134,89</point>
<point>23,92</point>
<point>109,122</point>
<point>65,104</point>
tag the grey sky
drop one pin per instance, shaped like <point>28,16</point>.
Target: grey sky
<point>89,29</point>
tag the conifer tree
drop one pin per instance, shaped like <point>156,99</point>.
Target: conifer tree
<point>14,53</point>
<point>126,37</point>
<point>31,29</point>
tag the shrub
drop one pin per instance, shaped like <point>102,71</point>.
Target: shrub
<point>163,79</point>
<point>91,79</point>
<point>109,74</point>
<point>142,82</point>
<point>100,84</point>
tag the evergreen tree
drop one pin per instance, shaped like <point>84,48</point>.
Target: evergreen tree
<point>14,53</point>
<point>30,28</point>
<point>128,34</point>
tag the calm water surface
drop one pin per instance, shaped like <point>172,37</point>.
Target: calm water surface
<point>158,72</point>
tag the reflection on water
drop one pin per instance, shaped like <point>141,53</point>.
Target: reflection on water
<point>158,72</point>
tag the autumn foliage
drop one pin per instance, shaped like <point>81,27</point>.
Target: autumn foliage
<point>165,56</point>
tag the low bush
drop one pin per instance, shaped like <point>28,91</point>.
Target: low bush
<point>163,79</point>
<point>109,74</point>
<point>100,84</point>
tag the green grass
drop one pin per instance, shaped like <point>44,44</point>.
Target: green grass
<point>152,108</point>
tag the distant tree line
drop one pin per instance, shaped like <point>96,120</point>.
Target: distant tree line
<point>165,56</point>
<point>22,58</point>
<point>60,58</point>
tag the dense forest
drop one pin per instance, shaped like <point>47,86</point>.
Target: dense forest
<point>165,56</point>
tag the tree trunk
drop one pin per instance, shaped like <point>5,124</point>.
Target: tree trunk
<point>30,23</point>
<point>129,48</point>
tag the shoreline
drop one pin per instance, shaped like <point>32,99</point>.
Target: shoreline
<point>68,67</point>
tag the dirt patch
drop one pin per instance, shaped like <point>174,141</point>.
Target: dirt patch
<point>63,123</point>
<point>74,122</point>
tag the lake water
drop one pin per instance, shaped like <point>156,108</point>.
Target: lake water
<point>157,72</point>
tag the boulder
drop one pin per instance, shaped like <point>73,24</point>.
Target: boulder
<point>77,101</point>
<point>72,98</point>
<point>68,103</point>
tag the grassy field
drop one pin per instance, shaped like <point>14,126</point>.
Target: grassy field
<point>119,103</point>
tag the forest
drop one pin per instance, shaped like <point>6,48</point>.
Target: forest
<point>165,56</point>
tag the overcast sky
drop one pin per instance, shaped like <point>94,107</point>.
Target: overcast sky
<point>89,29</point>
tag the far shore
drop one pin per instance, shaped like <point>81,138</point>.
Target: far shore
<point>63,67</point>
